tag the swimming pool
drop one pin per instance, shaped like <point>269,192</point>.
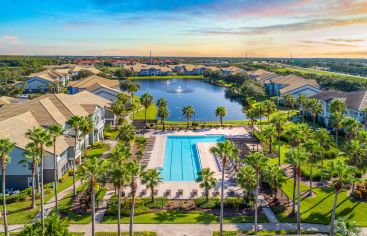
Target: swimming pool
<point>181,158</point>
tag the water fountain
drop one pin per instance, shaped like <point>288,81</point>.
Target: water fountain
<point>179,89</point>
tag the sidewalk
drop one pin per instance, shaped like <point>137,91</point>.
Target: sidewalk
<point>102,211</point>
<point>189,229</point>
<point>50,205</point>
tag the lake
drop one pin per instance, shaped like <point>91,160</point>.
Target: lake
<point>204,97</point>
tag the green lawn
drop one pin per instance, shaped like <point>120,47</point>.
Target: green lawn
<point>21,213</point>
<point>151,113</point>
<point>261,232</point>
<point>167,77</point>
<point>318,72</point>
<point>145,233</point>
<point>318,209</point>
<point>17,233</point>
<point>180,217</point>
<point>95,151</point>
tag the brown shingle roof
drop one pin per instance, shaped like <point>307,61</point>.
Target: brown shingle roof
<point>292,82</point>
<point>356,100</point>
<point>91,80</point>
<point>329,94</point>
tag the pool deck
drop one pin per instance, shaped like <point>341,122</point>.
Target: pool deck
<point>207,160</point>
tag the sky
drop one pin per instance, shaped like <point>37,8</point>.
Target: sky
<point>223,28</point>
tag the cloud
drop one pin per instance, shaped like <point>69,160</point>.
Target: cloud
<point>346,40</point>
<point>10,39</point>
<point>308,25</point>
<point>310,42</point>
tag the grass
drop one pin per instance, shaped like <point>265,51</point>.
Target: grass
<point>21,213</point>
<point>167,77</point>
<point>318,209</point>
<point>91,152</point>
<point>145,233</point>
<point>318,72</point>
<point>151,113</point>
<point>17,233</point>
<point>180,217</point>
<point>262,232</point>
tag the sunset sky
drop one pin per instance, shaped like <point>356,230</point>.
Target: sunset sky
<point>263,28</point>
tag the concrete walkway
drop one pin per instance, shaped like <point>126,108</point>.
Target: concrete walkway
<point>102,211</point>
<point>188,229</point>
<point>267,210</point>
<point>50,205</point>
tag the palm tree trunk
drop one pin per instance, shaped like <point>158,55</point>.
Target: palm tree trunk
<point>310,193</point>
<point>256,196</point>
<point>38,180</point>
<point>93,210</point>
<point>314,121</point>
<point>56,178</point>
<point>279,150</point>
<point>132,214</point>
<point>145,115</point>
<point>152,193</point>
<point>322,170</point>
<point>42,196</point>
<point>33,186</point>
<point>4,197</point>
<point>221,121</point>
<point>188,123</point>
<point>207,194</point>
<point>298,201</point>
<point>222,199</point>
<point>75,142</point>
<point>119,212</point>
<point>333,213</point>
<point>270,145</point>
<point>164,125</point>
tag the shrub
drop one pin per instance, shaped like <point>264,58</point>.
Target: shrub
<point>331,153</point>
<point>140,208</point>
<point>201,202</point>
<point>357,194</point>
<point>107,135</point>
<point>70,172</point>
<point>64,177</point>
<point>158,203</point>
<point>97,145</point>
<point>234,202</point>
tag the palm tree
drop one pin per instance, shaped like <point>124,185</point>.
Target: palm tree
<point>269,133</point>
<point>289,100</point>
<point>260,112</point>
<point>146,100</point>
<point>75,122</point>
<point>322,136</point>
<point>269,108</point>
<point>120,154</point>
<point>346,228</point>
<point>356,153</point>
<point>151,178</point>
<point>252,115</point>
<point>298,134</point>
<point>259,162</point>
<point>341,174</point>
<point>336,119</point>
<point>279,122</point>
<point>118,109</point>
<point>207,181</point>
<point>32,154</point>
<point>128,134</point>
<point>297,157</point>
<point>132,88</point>
<point>314,148</point>
<point>6,146</point>
<point>163,113</point>
<point>302,101</point>
<point>55,132</point>
<point>119,177</point>
<point>86,127</point>
<point>42,138</point>
<point>314,107</point>
<point>337,106</point>
<point>246,177</point>
<point>162,102</point>
<point>226,151</point>
<point>221,112</point>
<point>54,225</point>
<point>92,170</point>
<point>351,127</point>
<point>135,170</point>
<point>123,99</point>
<point>188,112</point>
<point>275,176</point>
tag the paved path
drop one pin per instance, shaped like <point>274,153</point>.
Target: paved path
<point>267,210</point>
<point>51,204</point>
<point>101,211</point>
<point>187,229</point>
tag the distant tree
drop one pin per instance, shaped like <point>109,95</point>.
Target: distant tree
<point>269,134</point>
<point>221,112</point>
<point>314,107</point>
<point>188,112</point>
<point>146,100</point>
<point>83,74</point>
<point>269,108</point>
<point>302,101</point>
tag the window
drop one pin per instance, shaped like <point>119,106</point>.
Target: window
<point>29,165</point>
<point>29,180</point>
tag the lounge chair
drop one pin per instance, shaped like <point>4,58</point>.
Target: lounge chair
<point>180,193</point>
<point>216,193</point>
<point>143,192</point>
<point>155,192</point>
<point>167,193</point>
<point>194,193</point>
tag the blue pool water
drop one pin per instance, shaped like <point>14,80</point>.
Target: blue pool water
<point>181,158</point>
